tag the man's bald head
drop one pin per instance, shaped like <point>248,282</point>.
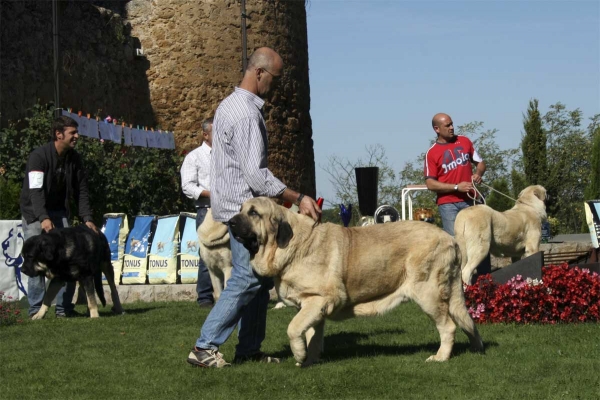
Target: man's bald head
<point>266,58</point>
<point>439,118</point>
<point>444,127</point>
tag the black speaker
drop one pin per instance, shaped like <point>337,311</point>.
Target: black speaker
<point>367,179</point>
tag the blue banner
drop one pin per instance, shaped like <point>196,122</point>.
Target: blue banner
<point>127,136</point>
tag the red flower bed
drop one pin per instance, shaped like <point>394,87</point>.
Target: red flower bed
<point>562,295</point>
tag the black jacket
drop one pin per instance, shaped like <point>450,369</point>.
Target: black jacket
<point>44,159</point>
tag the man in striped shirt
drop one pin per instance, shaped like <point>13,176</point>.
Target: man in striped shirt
<point>195,183</point>
<point>238,173</point>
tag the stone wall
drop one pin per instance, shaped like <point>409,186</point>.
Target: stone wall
<point>547,248</point>
<point>194,50</point>
<point>99,70</point>
<point>193,59</point>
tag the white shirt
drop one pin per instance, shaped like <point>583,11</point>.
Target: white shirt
<point>195,172</point>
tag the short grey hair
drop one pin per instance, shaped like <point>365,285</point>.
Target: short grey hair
<point>206,124</point>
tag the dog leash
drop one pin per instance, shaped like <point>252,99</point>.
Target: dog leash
<point>478,193</point>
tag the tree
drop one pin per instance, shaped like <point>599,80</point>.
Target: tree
<point>518,182</point>
<point>592,191</point>
<point>342,177</point>
<point>533,146</point>
<point>497,201</point>
<point>568,154</point>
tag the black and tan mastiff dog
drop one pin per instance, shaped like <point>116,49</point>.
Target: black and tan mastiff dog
<point>67,255</point>
<point>328,271</point>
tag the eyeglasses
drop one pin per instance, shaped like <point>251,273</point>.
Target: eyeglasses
<point>270,73</point>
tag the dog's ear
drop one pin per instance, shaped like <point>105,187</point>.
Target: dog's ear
<point>46,248</point>
<point>540,193</point>
<point>284,234</point>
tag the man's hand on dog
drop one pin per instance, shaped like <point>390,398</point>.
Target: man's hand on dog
<point>47,225</point>
<point>308,206</point>
<point>92,226</point>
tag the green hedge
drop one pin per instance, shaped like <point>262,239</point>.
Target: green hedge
<point>133,180</point>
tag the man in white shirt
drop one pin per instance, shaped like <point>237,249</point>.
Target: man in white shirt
<point>195,183</point>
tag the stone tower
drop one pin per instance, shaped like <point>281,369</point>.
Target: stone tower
<point>194,52</point>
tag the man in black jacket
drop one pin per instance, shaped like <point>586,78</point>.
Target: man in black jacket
<point>54,174</point>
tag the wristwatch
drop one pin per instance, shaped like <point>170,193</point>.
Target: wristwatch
<point>456,188</point>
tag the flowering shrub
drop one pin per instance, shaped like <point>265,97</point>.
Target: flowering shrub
<point>9,311</point>
<point>563,295</point>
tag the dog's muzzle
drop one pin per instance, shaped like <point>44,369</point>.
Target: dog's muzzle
<point>243,235</point>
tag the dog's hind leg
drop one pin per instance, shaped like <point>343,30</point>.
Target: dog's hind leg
<point>430,301</point>
<point>109,273</point>
<point>460,315</point>
<point>475,254</point>
<point>90,292</point>
<point>53,288</point>
<point>309,316</point>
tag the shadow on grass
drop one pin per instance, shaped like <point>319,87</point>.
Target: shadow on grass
<point>346,345</point>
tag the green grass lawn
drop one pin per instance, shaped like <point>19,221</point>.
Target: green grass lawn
<point>142,355</point>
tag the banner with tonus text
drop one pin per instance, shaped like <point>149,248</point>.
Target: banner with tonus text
<point>188,257</point>
<point>135,261</point>
<point>115,229</point>
<point>162,263</point>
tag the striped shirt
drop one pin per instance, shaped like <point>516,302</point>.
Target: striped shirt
<point>195,172</point>
<point>239,157</point>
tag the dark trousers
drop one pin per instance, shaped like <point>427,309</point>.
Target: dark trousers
<point>204,285</point>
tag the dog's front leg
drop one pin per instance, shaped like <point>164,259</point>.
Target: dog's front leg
<point>53,288</point>
<point>90,293</point>
<point>309,316</point>
<point>315,337</point>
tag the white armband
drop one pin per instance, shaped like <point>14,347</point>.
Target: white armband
<point>36,179</point>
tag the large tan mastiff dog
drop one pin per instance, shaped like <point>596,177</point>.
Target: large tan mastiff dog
<point>328,271</point>
<point>213,237</point>
<point>512,233</point>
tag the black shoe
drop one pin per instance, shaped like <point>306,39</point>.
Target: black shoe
<point>256,357</point>
<point>69,314</point>
<point>206,304</point>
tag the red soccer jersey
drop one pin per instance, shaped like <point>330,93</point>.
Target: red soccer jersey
<point>451,163</point>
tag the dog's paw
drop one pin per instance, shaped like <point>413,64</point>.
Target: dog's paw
<point>307,363</point>
<point>435,358</point>
<point>38,316</point>
<point>279,305</point>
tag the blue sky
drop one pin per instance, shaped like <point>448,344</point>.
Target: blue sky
<point>379,70</point>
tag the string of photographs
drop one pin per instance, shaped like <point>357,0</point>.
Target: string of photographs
<point>109,129</point>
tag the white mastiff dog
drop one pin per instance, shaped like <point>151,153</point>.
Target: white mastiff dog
<point>328,271</point>
<point>512,233</point>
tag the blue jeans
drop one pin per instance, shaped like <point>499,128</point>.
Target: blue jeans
<point>448,213</point>
<point>204,284</point>
<point>36,286</point>
<point>243,303</point>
